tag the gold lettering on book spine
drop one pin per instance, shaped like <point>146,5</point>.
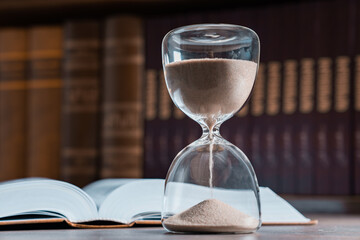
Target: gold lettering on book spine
<point>306,85</point>
<point>290,86</point>
<point>273,88</point>
<point>324,85</point>
<point>122,120</point>
<point>342,84</point>
<point>257,100</point>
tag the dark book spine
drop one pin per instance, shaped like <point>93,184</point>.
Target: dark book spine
<point>305,138</point>
<point>257,112</point>
<point>341,131</point>
<point>324,93</point>
<point>305,123</point>
<point>44,101</point>
<point>287,143</point>
<point>356,103</point>
<point>150,136</point>
<point>356,121</point>
<point>240,134</point>
<point>80,102</point>
<point>178,132</point>
<point>323,108</point>
<point>13,57</point>
<point>122,121</point>
<point>343,26</point>
<point>289,96</point>
<point>164,145</point>
<point>271,136</point>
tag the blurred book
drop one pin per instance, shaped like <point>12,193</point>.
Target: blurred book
<point>80,138</point>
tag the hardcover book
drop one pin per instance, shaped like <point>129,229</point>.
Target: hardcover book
<point>113,203</point>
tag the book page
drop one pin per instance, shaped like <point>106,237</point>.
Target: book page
<point>100,189</point>
<point>143,199</point>
<point>275,209</point>
<point>36,196</point>
<point>136,200</point>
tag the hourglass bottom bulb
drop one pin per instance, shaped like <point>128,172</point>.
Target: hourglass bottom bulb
<point>212,215</point>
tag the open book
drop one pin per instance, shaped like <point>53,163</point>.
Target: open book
<point>109,203</point>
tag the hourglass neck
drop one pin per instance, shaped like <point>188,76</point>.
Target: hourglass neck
<point>210,134</point>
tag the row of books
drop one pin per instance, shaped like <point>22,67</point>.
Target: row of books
<point>70,95</point>
<point>71,98</point>
<point>301,126</point>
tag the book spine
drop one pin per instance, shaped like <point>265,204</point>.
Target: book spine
<point>150,161</point>
<point>306,128</point>
<point>324,93</point>
<point>305,125</point>
<point>323,107</point>
<point>356,121</point>
<point>241,131</point>
<point>122,123</point>
<point>13,58</point>
<point>178,132</point>
<point>289,107</point>
<point>44,101</point>
<point>80,102</point>
<point>271,135</point>
<point>341,134</point>
<point>164,146</point>
<point>257,111</point>
<point>341,131</point>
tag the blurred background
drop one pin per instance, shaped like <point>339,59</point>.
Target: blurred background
<point>82,94</point>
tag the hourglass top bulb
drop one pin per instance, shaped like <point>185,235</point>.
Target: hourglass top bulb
<point>210,89</point>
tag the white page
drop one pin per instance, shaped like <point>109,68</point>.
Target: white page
<point>100,189</point>
<point>137,197</point>
<point>35,196</point>
<point>276,210</point>
<point>146,196</point>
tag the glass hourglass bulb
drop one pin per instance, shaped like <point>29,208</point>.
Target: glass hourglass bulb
<point>211,186</point>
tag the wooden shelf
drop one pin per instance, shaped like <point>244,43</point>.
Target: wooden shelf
<point>20,12</point>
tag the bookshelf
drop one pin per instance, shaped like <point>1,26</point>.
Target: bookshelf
<point>336,140</point>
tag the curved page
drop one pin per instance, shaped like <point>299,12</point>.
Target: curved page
<point>46,197</point>
<point>137,200</point>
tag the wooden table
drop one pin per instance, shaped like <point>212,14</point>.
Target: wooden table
<point>329,227</point>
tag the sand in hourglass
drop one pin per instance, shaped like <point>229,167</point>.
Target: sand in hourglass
<point>211,90</point>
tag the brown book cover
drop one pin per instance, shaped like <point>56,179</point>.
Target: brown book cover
<point>80,102</point>
<point>44,101</point>
<point>122,125</point>
<point>13,57</point>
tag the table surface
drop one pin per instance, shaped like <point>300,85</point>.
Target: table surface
<point>329,227</point>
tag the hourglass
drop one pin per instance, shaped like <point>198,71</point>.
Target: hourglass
<point>210,70</point>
